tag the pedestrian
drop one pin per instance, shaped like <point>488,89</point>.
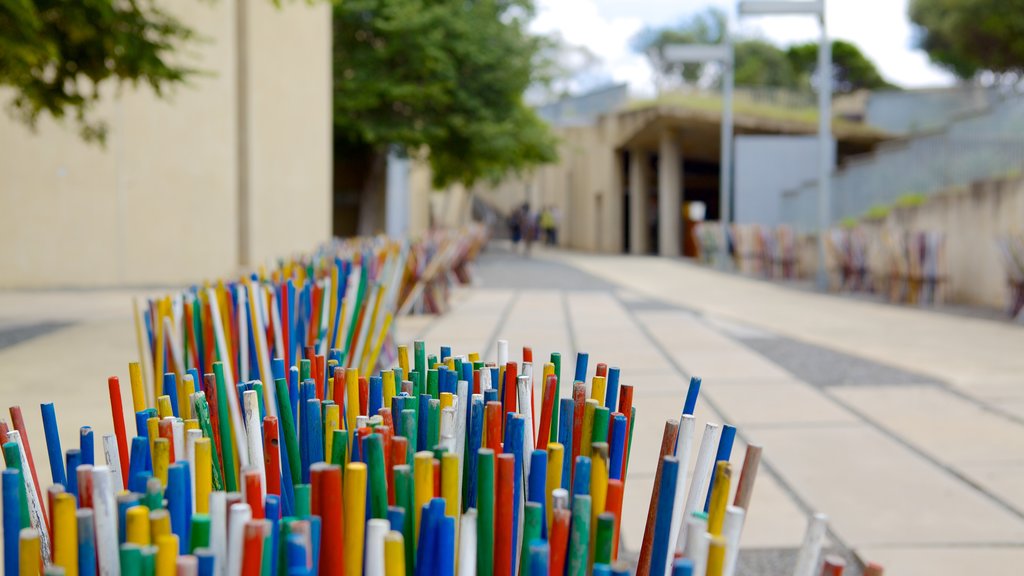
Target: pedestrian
<point>547,225</point>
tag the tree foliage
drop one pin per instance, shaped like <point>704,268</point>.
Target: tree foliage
<point>55,54</point>
<point>705,27</point>
<point>971,36</point>
<point>761,63</point>
<point>442,76</point>
<point>851,69</point>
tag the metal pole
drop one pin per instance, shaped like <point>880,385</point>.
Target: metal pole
<point>725,166</point>
<point>825,146</point>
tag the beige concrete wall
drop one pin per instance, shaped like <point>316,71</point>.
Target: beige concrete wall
<point>159,203</point>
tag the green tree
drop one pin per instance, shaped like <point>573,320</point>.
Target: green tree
<point>441,78</point>
<point>851,69</point>
<point>55,54</point>
<point>705,27</point>
<point>761,63</point>
<point>970,36</point>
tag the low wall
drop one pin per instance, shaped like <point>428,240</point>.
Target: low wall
<point>971,219</point>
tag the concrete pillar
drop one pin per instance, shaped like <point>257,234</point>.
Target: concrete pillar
<point>670,217</point>
<point>639,162</point>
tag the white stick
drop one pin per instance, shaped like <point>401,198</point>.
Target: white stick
<point>261,349</point>
<point>524,390</point>
<point>105,514</point>
<point>698,541</point>
<point>218,531</point>
<point>684,446</point>
<point>485,380</point>
<point>37,516</point>
<point>243,334</point>
<point>178,436</point>
<point>731,530</point>
<point>113,460</point>
<point>233,408</point>
<point>467,544</point>
<point>376,529</point>
<point>240,514</point>
<point>190,452</point>
<point>701,477</point>
<point>254,437</point>
<point>447,433</point>
<point>807,559</point>
<point>502,354</point>
<point>462,388</point>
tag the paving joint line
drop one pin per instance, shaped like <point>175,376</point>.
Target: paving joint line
<point>492,340</point>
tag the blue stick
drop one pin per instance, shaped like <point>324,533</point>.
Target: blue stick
<point>12,518</point>
<point>476,427</point>
<point>491,395</point>
<point>287,482</point>
<point>724,452</point>
<point>538,480</point>
<point>617,444</point>
<point>446,547</point>
<point>87,445</point>
<point>179,504</point>
<point>515,429</point>
<point>376,400</point>
<point>565,415</point>
<point>396,517</point>
<point>123,504</point>
<point>581,479</point>
<point>206,561</point>
<point>313,429</point>
<point>171,389</point>
<point>581,367</point>
<point>74,459</point>
<point>137,463</point>
<point>663,519</point>
<point>86,542</point>
<point>272,505</point>
<point>682,567</point>
<point>53,449</point>
<point>422,435</point>
<point>538,557</point>
<point>691,395</point>
<point>611,395</point>
<point>315,533</point>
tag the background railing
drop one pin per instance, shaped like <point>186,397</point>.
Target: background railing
<point>979,147</point>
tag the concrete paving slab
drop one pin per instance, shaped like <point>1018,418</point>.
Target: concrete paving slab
<point>877,491</point>
<point>952,560</point>
<point>780,404</point>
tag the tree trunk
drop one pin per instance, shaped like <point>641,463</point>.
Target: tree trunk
<point>371,197</point>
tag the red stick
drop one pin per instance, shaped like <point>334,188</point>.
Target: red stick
<point>527,354</point>
<point>503,515</point>
<point>613,504</point>
<point>626,409</point>
<point>339,392</point>
<point>399,449</point>
<point>436,464</point>
<point>546,408</point>
<point>164,430</point>
<point>385,436</point>
<point>319,371</point>
<point>579,398</point>
<point>386,419</point>
<point>332,554</point>
<point>254,534</point>
<point>254,494</point>
<point>3,432</point>
<point>18,422</point>
<point>602,370</point>
<point>559,541</point>
<point>492,417</point>
<point>117,411</point>
<point>272,455</point>
<point>668,443</point>
<point>509,402</point>
<point>364,396</point>
<point>211,401</point>
<point>84,487</point>
<point>476,381</point>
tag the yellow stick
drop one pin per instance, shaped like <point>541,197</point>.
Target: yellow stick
<point>352,389</point>
<point>204,475</point>
<point>137,526</point>
<point>355,521</point>
<point>158,353</point>
<point>138,386</point>
<point>716,555</point>
<point>719,498</point>
<point>380,341</point>
<point>423,478</point>
<point>403,360</point>
<point>166,554</point>
<point>191,424</point>
<point>161,459</point>
<point>332,422</point>
<point>141,345</point>
<point>389,388</point>
<point>368,336</point>
<point>159,524</point>
<point>65,534</point>
<point>152,428</point>
<point>163,407</point>
<point>394,554</point>
<point>597,390</point>
<point>598,490</point>
<point>28,552</point>
<point>474,356</point>
<point>555,454</point>
<point>450,484</point>
<point>447,399</point>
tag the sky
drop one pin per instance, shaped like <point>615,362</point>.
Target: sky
<point>879,27</point>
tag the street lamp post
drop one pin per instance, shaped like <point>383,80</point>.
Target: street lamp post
<point>723,54</point>
<point>813,8</point>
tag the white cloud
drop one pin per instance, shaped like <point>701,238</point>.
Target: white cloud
<point>879,27</point>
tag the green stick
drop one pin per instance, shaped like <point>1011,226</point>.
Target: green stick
<point>629,448</point>
<point>303,502</point>
<point>224,415</point>
<point>12,456</point>
<point>603,544</point>
<point>485,513</point>
<point>202,409</point>
<point>600,430</point>
<point>532,517</point>
<point>291,443</point>
<point>556,359</point>
<point>378,483</point>
<point>403,499</point>
<point>409,430</point>
<point>199,535</point>
<point>434,422</point>
<point>579,539</point>
<point>419,357</point>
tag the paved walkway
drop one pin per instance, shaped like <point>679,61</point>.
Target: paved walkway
<point>904,426</point>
